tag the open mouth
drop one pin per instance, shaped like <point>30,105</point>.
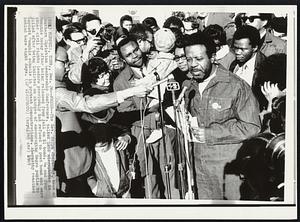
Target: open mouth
<point>138,61</point>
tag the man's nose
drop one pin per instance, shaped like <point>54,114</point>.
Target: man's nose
<point>134,55</point>
<point>194,63</point>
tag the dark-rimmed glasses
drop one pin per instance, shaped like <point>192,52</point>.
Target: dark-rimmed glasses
<point>147,40</point>
<point>178,58</point>
<point>78,41</point>
<point>250,18</point>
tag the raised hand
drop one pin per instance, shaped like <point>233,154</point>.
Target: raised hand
<point>270,91</point>
<point>122,142</point>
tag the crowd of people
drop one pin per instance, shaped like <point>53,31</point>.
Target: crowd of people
<point>115,138</point>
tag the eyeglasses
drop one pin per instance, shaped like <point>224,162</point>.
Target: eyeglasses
<point>92,32</point>
<point>251,18</point>
<point>147,40</point>
<point>78,41</point>
<point>178,58</point>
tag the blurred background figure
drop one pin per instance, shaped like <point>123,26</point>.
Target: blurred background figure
<point>60,28</point>
<point>69,15</point>
<point>190,25</point>
<point>151,23</point>
<point>174,22</point>
<point>261,159</point>
<point>273,88</point>
<point>269,44</point>
<point>126,22</point>
<point>279,27</point>
<point>224,55</point>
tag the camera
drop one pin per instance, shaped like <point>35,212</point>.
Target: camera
<point>260,163</point>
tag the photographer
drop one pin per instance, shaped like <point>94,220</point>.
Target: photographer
<point>91,28</point>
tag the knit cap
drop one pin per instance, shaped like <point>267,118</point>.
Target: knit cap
<point>164,40</point>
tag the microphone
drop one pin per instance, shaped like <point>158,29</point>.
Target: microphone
<point>162,81</point>
<point>181,95</point>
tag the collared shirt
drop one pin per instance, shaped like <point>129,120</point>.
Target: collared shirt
<point>246,71</point>
<point>139,71</point>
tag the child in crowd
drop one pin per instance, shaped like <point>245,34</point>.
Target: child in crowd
<point>111,177</point>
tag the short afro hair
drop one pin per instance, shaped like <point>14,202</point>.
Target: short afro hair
<point>247,32</point>
<point>200,38</point>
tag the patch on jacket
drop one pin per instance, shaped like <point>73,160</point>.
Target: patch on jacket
<point>216,106</point>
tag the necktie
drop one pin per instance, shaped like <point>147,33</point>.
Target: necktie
<point>141,69</point>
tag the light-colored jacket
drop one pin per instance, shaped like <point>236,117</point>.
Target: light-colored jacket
<point>272,45</point>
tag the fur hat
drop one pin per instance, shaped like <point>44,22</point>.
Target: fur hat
<point>164,40</point>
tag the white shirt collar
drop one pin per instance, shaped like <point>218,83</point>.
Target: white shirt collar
<point>202,85</point>
<point>263,33</point>
<point>224,50</point>
<point>250,63</point>
<point>246,71</point>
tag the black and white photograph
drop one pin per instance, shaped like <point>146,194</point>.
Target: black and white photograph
<point>156,111</point>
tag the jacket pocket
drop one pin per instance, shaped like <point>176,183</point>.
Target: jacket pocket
<point>220,109</point>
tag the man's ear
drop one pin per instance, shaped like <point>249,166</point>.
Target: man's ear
<point>68,41</point>
<point>139,41</point>
<point>213,58</point>
<point>182,29</point>
<point>255,49</point>
<point>265,23</point>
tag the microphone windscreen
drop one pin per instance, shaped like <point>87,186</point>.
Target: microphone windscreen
<point>187,84</point>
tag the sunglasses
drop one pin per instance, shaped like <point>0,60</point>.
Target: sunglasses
<point>250,18</point>
<point>94,31</point>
